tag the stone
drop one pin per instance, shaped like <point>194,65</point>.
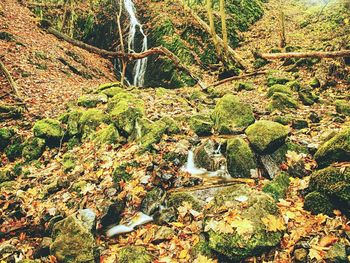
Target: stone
<point>90,120</point>
<point>68,161</point>
<point>14,149</point>
<point>337,149</point>
<point>315,83</point>
<point>73,127</point>
<point>342,107</point>
<point>267,136</point>
<point>300,255</point>
<point>113,214</point>
<point>50,130</point>
<point>33,148</point>
<point>92,100</point>
<point>244,86</point>
<point>153,201</point>
<point>240,158</point>
<point>277,77</point>
<point>282,102</point>
<point>162,234</point>
<point>279,88</point>
<point>5,175</point>
<point>113,91</point>
<point>201,124</point>
<point>278,187</point>
<point>5,137</point>
<point>43,249</point>
<point>73,238</point>
<point>231,116</point>
<point>318,203</point>
<point>299,124</point>
<point>307,97</point>
<point>176,200</point>
<point>337,254</point>
<point>107,135</point>
<point>134,254</point>
<point>108,85</point>
<point>165,216</point>
<point>208,156</point>
<point>257,205</point>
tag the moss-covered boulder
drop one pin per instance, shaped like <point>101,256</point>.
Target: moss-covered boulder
<point>135,254</point>
<point>318,203</point>
<point>92,100</point>
<point>5,175</point>
<point>278,187</point>
<point>201,124</point>
<point>33,148</point>
<point>334,182</point>
<point>207,155</point>
<point>73,238</point>
<point>267,136</point>
<point>278,77</point>
<point>50,130</point>
<point>244,86</point>
<point>337,149</point>
<point>231,116</point>
<point>281,101</point>
<point>5,137</point>
<point>113,91</point>
<point>108,85</point>
<point>279,88</point>
<point>240,158</point>
<point>107,135</point>
<point>176,200</point>
<point>68,161</point>
<point>307,96</point>
<point>342,107</point>
<point>73,118</point>
<point>90,120</point>
<point>251,234</point>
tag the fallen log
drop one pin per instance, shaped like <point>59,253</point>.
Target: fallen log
<point>218,83</point>
<point>127,56</point>
<point>314,54</point>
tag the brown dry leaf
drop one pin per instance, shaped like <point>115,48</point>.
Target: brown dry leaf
<point>327,241</point>
<point>273,223</point>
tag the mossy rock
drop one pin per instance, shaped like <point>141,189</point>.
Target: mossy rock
<point>113,91</point>
<point>315,83</point>
<point>278,187</point>
<point>50,130</point>
<point>318,203</point>
<point>231,116</point>
<point>244,86</point>
<point>260,62</point>
<point>282,102</point>
<point>334,182</point>
<point>152,201</point>
<point>267,136</point>
<point>121,172</point>
<point>278,77</point>
<point>307,97</point>
<point>279,88</point>
<point>73,118</point>
<point>258,205</point>
<point>293,85</point>
<point>337,149</point>
<point>283,119</point>
<point>14,149</point>
<point>91,100</point>
<point>337,253</point>
<point>172,126</point>
<point>5,175</point>
<point>300,124</point>
<point>5,137</point>
<point>176,200</point>
<point>201,124</point>
<point>105,86</point>
<point>90,120</point>
<point>134,254</point>
<point>33,148</point>
<point>206,156</point>
<point>68,162</point>
<point>107,135</point>
<point>343,107</point>
<point>240,158</point>
<point>10,111</point>
<point>123,96</point>
<point>125,114</point>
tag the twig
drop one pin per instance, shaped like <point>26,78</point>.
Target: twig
<point>236,78</point>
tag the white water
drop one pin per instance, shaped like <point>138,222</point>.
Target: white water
<point>190,166</point>
<point>141,64</point>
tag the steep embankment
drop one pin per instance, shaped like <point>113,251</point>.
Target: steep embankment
<point>49,72</point>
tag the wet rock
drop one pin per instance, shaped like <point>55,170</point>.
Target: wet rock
<point>279,88</point>
<point>165,216</point>
<point>267,136</point>
<point>278,187</point>
<point>162,234</point>
<point>300,124</point>
<point>240,158</point>
<point>231,116</point>
<point>73,238</point>
<point>257,205</point>
<point>135,254</point>
<point>342,107</point>
<point>152,201</point>
<point>201,124</point>
<point>337,149</point>
<point>300,255</point>
<point>318,203</point>
<point>50,130</point>
<point>207,156</point>
<point>337,253</point>
<point>176,200</point>
<point>281,102</point>
<point>44,248</point>
<point>113,214</point>
<point>91,100</point>
<point>33,148</point>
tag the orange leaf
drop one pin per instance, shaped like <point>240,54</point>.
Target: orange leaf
<point>327,241</point>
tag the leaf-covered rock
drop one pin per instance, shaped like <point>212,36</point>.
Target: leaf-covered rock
<point>135,254</point>
<point>48,129</point>
<point>33,148</point>
<point>201,124</point>
<point>281,101</point>
<point>91,100</point>
<point>343,107</point>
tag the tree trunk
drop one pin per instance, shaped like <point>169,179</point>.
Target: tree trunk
<point>124,63</point>
<point>212,28</point>
<point>315,54</point>
<point>223,26</point>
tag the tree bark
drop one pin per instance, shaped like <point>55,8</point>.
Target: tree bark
<point>312,54</point>
<point>9,78</point>
<point>212,27</point>
<point>223,26</point>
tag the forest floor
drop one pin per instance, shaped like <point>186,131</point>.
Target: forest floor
<point>47,191</point>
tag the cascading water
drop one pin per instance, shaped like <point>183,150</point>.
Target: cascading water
<point>141,64</point>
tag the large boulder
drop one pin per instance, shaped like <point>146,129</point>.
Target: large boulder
<point>73,238</point>
<point>48,129</point>
<point>231,116</point>
<point>336,149</point>
<point>250,231</point>
<point>92,100</point>
<point>267,136</point>
<point>201,124</point>
<point>334,183</point>
<point>90,120</point>
<point>240,158</point>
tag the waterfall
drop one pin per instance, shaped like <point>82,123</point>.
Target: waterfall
<point>141,64</point>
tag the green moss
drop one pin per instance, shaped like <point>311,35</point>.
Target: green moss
<point>135,254</point>
<point>277,77</point>
<point>260,62</point>
<point>171,125</point>
<point>90,120</point>
<point>33,148</point>
<point>202,248</point>
<point>279,88</point>
<point>73,128</point>
<point>50,130</point>
<point>294,85</point>
<point>109,85</point>
<point>201,124</point>
<point>10,111</point>
<point>342,107</point>
<point>68,162</point>
<point>231,116</point>
<point>240,158</point>
<point>283,119</point>
<point>278,187</point>
<point>318,203</point>
<point>176,200</point>
<point>337,149</point>
<point>315,83</point>
<point>281,101</point>
<point>244,86</point>
<point>5,175</point>
<point>5,137</point>
<point>113,91</point>
<point>337,253</point>
<point>266,136</point>
<point>14,150</point>
<point>307,96</point>
<point>107,135</point>
<point>72,142</point>
<point>122,172</point>
<point>91,100</point>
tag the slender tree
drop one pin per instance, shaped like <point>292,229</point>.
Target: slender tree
<point>223,26</point>
<point>124,62</point>
<point>282,43</point>
<point>212,27</point>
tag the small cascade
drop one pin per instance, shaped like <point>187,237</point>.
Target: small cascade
<point>135,26</point>
<point>190,166</point>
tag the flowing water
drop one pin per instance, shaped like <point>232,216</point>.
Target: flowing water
<point>135,27</point>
